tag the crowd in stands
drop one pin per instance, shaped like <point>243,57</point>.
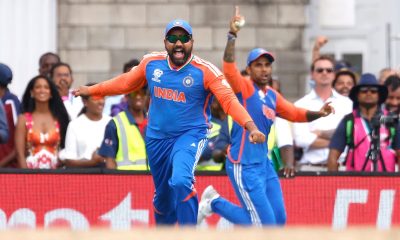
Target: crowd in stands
<point>50,128</point>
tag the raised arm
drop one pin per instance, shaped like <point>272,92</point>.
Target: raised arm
<point>319,43</point>
<point>230,70</point>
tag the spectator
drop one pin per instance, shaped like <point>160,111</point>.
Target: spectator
<point>85,134</point>
<point>280,143</point>
<point>344,80</point>
<point>61,75</point>
<point>213,155</point>
<point>12,108</point>
<point>116,104</point>
<point>40,130</point>
<point>358,130</point>
<point>392,103</point>
<point>46,62</point>
<point>123,146</point>
<point>314,137</point>
<point>3,125</point>
<point>385,73</point>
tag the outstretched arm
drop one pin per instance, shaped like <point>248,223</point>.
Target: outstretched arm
<point>289,111</point>
<point>122,84</point>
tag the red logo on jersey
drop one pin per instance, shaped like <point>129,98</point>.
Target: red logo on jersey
<point>169,94</point>
<point>268,112</point>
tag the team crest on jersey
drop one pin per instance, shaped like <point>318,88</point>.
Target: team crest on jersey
<point>268,112</point>
<point>188,81</point>
<point>156,75</point>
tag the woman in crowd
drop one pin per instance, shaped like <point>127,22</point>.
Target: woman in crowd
<point>41,128</point>
<point>85,134</point>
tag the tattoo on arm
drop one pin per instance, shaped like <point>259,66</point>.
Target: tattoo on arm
<point>229,54</point>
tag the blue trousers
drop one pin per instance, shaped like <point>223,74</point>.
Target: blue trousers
<point>172,164</point>
<point>258,189</point>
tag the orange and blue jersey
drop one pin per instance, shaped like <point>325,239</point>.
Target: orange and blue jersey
<point>179,117</point>
<point>262,105</point>
<point>180,97</point>
<point>252,175</point>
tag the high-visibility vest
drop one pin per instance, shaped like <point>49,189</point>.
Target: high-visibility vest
<point>131,154</point>
<point>210,165</point>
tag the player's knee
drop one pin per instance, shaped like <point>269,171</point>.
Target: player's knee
<point>180,182</point>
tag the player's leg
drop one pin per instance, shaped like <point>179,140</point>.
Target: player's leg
<point>249,184</point>
<point>187,151</point>
<point>164,201</point>
<point>275,195</point>
<point>226,209</point>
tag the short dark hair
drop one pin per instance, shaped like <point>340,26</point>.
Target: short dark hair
<point>322,57</point>
<point>59,65</point>
<point>48,54</point>
<point>392,82</point>
<point>345,72</point>
<point>130,64</point>
<point>85,97</point>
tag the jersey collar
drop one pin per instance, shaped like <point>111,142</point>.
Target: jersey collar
<point>171,65</point>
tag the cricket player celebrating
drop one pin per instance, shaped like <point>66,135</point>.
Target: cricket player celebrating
<point>181,87</point>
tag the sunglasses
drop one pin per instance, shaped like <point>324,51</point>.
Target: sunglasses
<point>373,90</point>
<point>174,38</point>
<point>320,70</point>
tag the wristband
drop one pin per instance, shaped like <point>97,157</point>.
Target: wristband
<point>231,36</point>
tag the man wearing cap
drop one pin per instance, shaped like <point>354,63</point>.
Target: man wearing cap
<point>12,107</point>
<point>250,171</point>
<point>181,87</point>
<point>358,128</point>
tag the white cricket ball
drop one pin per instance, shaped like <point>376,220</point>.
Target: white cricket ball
<point>240,23</point>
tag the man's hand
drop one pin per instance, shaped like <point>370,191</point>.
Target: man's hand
<point>81,91</point>
<point>255,135</point>
<point>288,171</point>
<point>320,42</point>
<point>326,109</point>
<point>234,27</point>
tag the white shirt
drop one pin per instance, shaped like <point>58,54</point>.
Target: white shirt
<point>302,132</point>
<point>73,105</point>
<point>284,136</point>
<point>83,137</point>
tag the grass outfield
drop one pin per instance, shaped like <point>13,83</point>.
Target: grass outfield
<point>292,233</point>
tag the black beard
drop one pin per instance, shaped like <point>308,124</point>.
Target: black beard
<point>177,62</point>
